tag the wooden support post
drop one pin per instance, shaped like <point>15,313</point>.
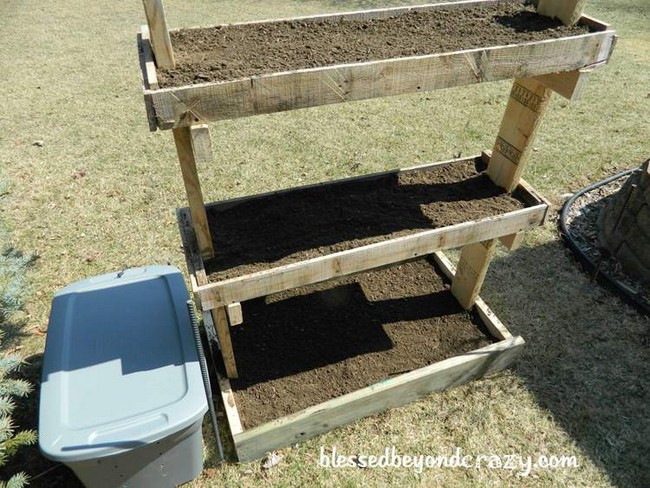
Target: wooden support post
<point>160,41</point>
<point>220,319</point>
<point>193,146</point>
<point>528,101</point>
<point>472,267</point>
<point>567,11</point>
<point>569,84</point>
<point>513,241</point>
<point>235,316</point>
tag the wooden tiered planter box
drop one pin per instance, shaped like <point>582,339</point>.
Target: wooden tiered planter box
<point>539,68</point>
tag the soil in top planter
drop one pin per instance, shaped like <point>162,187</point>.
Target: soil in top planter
<point>239,51</point>
<point>305,346</point>
<point>292,226</point>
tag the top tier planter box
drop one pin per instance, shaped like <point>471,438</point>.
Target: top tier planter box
<point>275,92</point>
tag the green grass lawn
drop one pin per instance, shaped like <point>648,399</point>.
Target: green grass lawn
<point>101,192</point>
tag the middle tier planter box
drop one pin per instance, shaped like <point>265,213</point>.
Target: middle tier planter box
<point>270,243</point>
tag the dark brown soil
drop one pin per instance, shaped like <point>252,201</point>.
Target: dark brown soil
<point>308,345</point>
<point>240,51</point>
<point>280,229</point>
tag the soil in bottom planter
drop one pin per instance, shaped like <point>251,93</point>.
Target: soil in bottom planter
<point>240,51</point>
<point>275,230</point>
<point>308,345</point>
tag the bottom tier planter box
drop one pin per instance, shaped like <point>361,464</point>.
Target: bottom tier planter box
<point>346,345</point>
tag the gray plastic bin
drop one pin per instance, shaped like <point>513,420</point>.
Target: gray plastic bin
<point>122,397</point>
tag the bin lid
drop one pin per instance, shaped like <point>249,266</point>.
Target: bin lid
<point>120,368</point>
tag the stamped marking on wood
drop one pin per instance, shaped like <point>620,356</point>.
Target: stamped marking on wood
<point>510,152</point>
<point>526,97</point>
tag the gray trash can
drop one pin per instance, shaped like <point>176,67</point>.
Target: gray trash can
<point>122,396</point>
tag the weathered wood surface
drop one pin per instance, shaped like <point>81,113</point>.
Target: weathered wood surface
<point>523,115</point>
<point>470,273</point>
<point>148,65</point>
<point>235,315</point>
<point>394,392</point>
<point>193,147</point>
<point>570,84</point>
<point>220,319</point>
<point>367,257</point>
<point>567,11</point>
<point>160,41</point>
<point>513,241</point>
<point>189,105</point>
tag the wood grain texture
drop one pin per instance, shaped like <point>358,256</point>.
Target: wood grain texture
<point>513,241</point>
<point>570,84</point>
<point>567,11</point>
<point>523,115</point>
<point>235,315</point>
<point>178,107</point>
<point>148,65</point>
<point>372,256</point>
<point>220,319</point>
<point>193,146</point>
<point>160,41</point>
<point>227,395</point>
<point>471,270</point>
<point>393,392</point>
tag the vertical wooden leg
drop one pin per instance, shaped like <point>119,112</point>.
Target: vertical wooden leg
<point>513,241</point>
<point>528,101</point>
<point>160,41</point>
<point>471,270</point>
<point>220,319</point>
<point>568,11</point>
<point>193,146</point>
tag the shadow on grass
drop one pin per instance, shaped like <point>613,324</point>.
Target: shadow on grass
<point>586,359</point>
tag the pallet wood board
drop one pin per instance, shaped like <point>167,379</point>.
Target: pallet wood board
<point>396,390</point>
<point>343,257</point>
<point>268,93</point>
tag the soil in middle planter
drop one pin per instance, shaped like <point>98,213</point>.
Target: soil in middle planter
<point>308,345</point>
<point>238,51</point>
<point>279,229</point>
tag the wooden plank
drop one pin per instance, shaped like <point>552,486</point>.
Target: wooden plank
<point>160,41</point>
<point>149,76</point>
<point>235,316</point>
<point>570,84</point>
<point>394,392</point>
<point>567,11</point>
<point>191,250</point>
<point>526,106</point>
<point>178,107</point>
<point>491,321</point>
<point>472,268</point>
<point>220,319</point>
<point>193,145</point>
<point>227,396</point>
<point>344,263</point>
<point>513,241</point>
